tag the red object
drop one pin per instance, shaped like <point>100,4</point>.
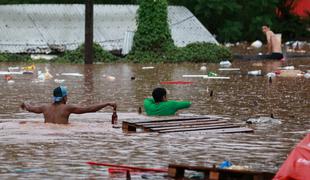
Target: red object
<point>301,7</point>
<point>123,171</point>
<point>176,82</point>
<point>128,167</point>
<point>277,72</point>
<point>8,77</point>
<point>297,165</point>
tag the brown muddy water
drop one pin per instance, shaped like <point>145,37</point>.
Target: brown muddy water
<point>31,149</point>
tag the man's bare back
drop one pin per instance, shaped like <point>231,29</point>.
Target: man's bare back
<point>59,111</point>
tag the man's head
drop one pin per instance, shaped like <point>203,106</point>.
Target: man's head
<point>265,28</point>
<point>159,95</point>
<point>60,94</point>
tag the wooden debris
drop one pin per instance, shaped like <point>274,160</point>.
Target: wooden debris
<point>208,124</point>
<point>178,171</point>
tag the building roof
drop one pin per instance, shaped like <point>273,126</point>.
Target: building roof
<point>42,28</point>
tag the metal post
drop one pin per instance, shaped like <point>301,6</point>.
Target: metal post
<point>89,19</point>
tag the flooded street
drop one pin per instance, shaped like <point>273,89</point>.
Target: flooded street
<point>34,150</point>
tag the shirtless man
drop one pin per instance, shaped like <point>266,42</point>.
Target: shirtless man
<point>273,43</point>
<point>59,111</point>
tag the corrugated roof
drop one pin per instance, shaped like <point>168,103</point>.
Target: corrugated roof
<point>40,28</point>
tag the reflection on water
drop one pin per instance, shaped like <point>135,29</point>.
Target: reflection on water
<point>35,150</point>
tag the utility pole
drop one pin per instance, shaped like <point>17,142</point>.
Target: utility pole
<point>89,26</point>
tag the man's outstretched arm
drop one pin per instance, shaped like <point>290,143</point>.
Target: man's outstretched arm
<point>92,108</point>
<point>31,108</point>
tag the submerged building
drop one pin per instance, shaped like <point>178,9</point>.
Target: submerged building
<point>50,27</point>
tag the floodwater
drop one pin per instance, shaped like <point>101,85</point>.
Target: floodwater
<point>31,149</point>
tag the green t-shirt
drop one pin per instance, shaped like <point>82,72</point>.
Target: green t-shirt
<point>166,108</point>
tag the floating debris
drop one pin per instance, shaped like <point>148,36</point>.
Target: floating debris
<point>229,69</point>
<point>192,76</point>
<point>42,56</point>
<point>13,69</point>
<point>208,77</point>
<point>59,80</point>
<point>263,120</point>
<point>203,68</point>
<point>72,74</point>
<point>148,67</point>
<point>257,44</point>
<point>255,73</point>
<point>225,64</point>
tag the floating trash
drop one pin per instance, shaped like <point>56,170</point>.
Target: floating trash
<point>42,56</point>
<point>208,77</point>
<point>229,69</point>
<point>271,75</point>
<point>111,78</point>
<point>27,72</point>
<point>257,44</point>
<point>8,77</point>
<point>72,74</point>
<point>307,75</point>
<point>11,81</point>
<point>13,69</point>
<point>192,76</point>
<point>225,164</point>
<point>288,68</point>
<point>148,67</point>
<point>29,68</point>
<point>41,76</point>
<point>255,73</point>
<point>212,74</point>
<point>59,80</point>
<point>225,64</point>
<point>10,73</point>
<point>203,68</point>
<point>263,120</point>
<point>47,74</point>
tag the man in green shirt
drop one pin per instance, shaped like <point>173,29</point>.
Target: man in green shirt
<point>160,106</point>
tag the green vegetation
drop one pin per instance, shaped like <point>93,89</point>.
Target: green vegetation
<point>77,56</point>
<point>153,33</point>
<point>196,52</point>
<point>6,57</point>
<point>153,42</point>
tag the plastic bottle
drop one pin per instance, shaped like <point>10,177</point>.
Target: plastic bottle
<point>203,68</point>
<point>212,74</point>
<point>255,73</point>
<point>307,75</point>
<point>225,64</point>
<point>271,75</point>
<point>288,68</point>
<point>114,117</point>
<point>41,76</point>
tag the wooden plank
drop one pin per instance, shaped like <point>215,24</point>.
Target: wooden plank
<point>226,130</point>
<point>176,172</point>
<point>128,127</point>
<point>217,125</point>
<point>227,172</point>
<point>169,124</point>
<point>176,119</point>
<point>194,128</point>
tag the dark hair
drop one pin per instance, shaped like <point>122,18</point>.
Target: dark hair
<point>158,94</point>
<point>267,25</point>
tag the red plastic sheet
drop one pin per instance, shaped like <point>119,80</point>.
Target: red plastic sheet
<point>297,165</point>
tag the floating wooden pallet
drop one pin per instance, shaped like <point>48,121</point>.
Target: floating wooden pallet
<point>209,124</point>
<point>177,172</point>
